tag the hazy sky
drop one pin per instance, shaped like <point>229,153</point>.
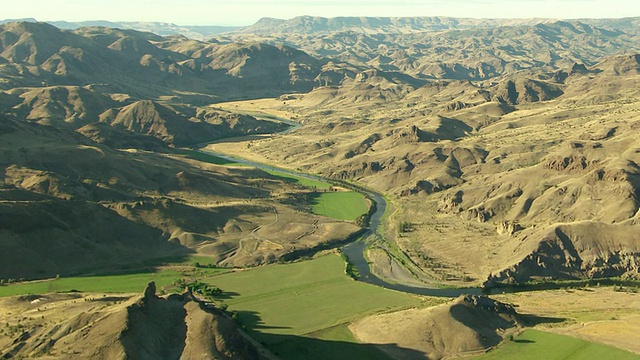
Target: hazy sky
<point>246,12</point>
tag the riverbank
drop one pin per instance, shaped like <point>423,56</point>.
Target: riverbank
<point>355,250</point>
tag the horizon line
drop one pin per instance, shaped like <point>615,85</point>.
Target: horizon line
<point>313,16</point>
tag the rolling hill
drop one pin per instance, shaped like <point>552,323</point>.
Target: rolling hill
<point>533,170</point>
<point>446,48</point>
<point>72,205</point>
<point>507,150</point>
<point>140,326</point>
<point>517,137</point>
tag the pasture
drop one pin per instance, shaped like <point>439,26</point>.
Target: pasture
<point>124,283</point>
<point>293,306</point>
<point>341,205</point>
<point>534,344</point>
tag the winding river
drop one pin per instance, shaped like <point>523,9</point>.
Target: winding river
<point>355,250</point>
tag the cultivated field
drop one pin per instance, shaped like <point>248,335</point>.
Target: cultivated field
<point>293,306</point>
<point>534,344</point>
<point>343,205</point>
<point>606,315</point>
<point>125,283</point>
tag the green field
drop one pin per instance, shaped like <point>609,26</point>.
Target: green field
<point>126,283</point>
<point>342,205</point>
<point>304,305</point>
<point>212,159</point>
<point>533,344</point>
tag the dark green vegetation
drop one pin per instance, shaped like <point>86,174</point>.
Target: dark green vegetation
<point>348,205</point>
<point>208,158</point>
<point>533,344</point>
<point>351,269</point>
<point>282,175</point>
<point>308,300</point>
<point>316,348</point>
<point>342,205</point>
<point>333,343</point>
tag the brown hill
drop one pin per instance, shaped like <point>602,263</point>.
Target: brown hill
<point>48,236</point>
<point>70,106</point>
<point>141,327</point>
<point>313,25</point>
<point>526,90</point>
<point>159,28</point>
<point>621,65</point>
<point>117,138</point>
<point>62,57</point>
<point>74,206</point>
<point>52,183</point>
<point>497,131</point>
<point>449,48</point>
<point>350,90</point>
<point>534,150</point>
<point>267,64</point>
<point>468,324</point>
<point>573,251</point>
<point>149,118</point>
<point>75,107</point>
<point>142,82</point>
<point>148,66</point>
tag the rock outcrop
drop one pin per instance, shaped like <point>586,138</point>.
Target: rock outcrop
<point>586,250</point>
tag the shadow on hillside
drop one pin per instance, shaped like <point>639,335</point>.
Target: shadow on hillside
<point>569,285</point>
<point>226,295</point>
<point>533,320</point>
<point>251,321</point>
<point>111,298</point>
<point>296,347</point>
<point>291,347</point>
<point>523,341</point>
<point>237,139</point>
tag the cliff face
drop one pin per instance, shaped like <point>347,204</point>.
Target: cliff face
<point>573,251</point>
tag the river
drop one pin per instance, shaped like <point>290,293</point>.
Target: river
<point>355,251</point>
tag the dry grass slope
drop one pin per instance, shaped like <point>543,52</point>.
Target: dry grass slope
<point>141,327</point>
<point>468,324</point>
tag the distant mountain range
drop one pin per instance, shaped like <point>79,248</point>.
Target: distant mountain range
<point>315,25</point>
<point>449,48</point>
<point>387,25</point>
<point>390,25</point>
<point>159,28</point>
